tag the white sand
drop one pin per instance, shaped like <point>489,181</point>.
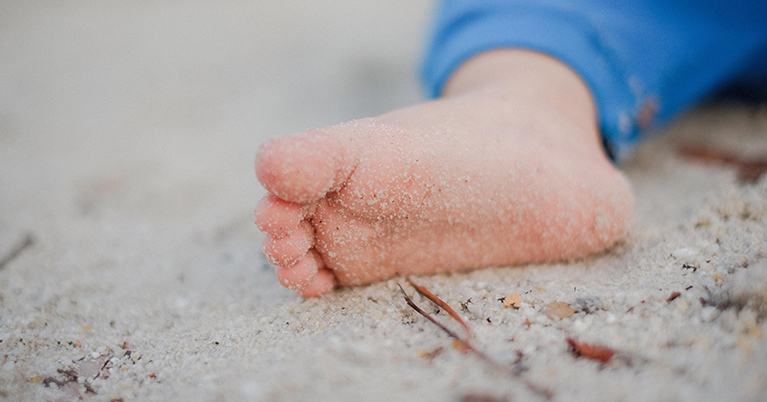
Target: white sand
<point>127,136</point>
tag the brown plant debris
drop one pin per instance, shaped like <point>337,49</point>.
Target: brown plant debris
<point>749,170</point>
<point>512,300</point>
<point>431,355</point>
<point>559,310</point>
<point>82,371</point>
<point>425,292</point>
<point>594,352</point>
<point>464,344</point>
<point>673,297</point>
<point>27,242</point>
<point>69,377</point>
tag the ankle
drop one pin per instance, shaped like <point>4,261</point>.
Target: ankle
<point>529,75</point>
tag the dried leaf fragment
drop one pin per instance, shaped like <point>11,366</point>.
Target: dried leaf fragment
<point>559,310</point>
<point>593,352</point>
<point>512,300</point>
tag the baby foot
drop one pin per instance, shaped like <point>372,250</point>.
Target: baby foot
<point>493,175</point>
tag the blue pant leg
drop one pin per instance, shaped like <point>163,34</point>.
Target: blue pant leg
<point>643,61</point>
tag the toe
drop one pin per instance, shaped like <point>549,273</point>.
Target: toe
<point>285,251</point>
<point>277,217</point>
<point>323,283</point>
<point>301,273</point>
<point>305,167</point>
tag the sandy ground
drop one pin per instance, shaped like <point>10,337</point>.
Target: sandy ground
<point>127,136</point>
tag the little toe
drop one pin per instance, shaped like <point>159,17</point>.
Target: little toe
<point>285,251</point>
<point>323,283</point>
<point>299,275</point>
<point>277,217</point>
<point>305,167</point>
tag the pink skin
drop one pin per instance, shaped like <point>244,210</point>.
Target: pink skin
<point>506,169</point>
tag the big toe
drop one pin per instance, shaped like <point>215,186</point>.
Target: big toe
<point>305,167</point>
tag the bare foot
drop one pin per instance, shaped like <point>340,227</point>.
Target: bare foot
<point>506,169</point>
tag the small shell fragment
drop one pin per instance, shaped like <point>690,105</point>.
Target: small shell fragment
<point>512,300</point>
<point>559,310</point>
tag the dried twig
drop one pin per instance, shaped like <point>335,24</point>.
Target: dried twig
<point>415,307</point>
<point>673,297</point>
<point>27,242</point>
<point>436,300</point>
<point>465,343</point>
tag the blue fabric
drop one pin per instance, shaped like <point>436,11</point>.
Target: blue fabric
<point>644,61</point>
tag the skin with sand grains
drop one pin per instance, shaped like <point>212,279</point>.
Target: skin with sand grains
<point>507,168</point>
